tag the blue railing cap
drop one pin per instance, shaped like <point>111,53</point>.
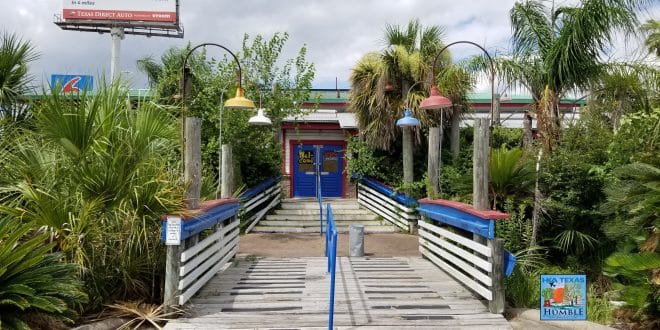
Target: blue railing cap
<point>389,191</point>
<point>208,214</point>
<point>262,186</point>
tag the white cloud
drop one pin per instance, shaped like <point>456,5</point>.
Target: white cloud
<point>337,33</point>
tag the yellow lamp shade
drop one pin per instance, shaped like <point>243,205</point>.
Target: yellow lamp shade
<point>239,101</point>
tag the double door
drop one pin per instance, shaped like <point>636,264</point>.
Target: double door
<point>315,164</point>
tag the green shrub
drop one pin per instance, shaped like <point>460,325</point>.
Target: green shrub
<point>32,279</point>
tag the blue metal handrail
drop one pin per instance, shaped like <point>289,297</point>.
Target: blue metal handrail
<point>319,194</point>
<point>331,253</point>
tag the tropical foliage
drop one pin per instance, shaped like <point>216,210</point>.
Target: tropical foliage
<point>15,55</point>
<point>381,81</point>
<point>272,82</point>
<point>558,50</point>
<point>97,175</point>
<point>652,27</point>
<point>34,280</point>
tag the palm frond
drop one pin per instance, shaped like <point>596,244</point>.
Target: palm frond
<point>532,28</point>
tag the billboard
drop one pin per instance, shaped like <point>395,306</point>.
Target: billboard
<point>69,83</point>
<point>157,11</point>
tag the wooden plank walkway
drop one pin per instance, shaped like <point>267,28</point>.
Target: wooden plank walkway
<point>371,293</point>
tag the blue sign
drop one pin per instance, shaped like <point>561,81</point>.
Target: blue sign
<point>65,83</point>
<point>563,297</point>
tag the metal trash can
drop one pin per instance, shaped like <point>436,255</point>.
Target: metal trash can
<point>356,241</point>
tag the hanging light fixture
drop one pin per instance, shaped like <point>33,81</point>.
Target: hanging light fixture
<point>435,100</point>
<point>260,119</point>
<point>239,101</point>
<point>408,120</point>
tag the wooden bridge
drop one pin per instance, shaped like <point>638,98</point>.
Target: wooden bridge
<point>382,293</point>
<point>458,283</point>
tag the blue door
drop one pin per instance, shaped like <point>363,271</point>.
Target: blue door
<point>330,161</point>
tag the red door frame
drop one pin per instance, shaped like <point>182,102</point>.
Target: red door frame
<point>342,143</point>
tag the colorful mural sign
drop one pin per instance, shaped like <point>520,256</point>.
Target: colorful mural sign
<point>563,297</point>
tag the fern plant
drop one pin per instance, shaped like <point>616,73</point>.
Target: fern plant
<point>32,279</point>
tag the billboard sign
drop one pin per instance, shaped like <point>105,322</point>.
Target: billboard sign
<point>66,83</point>
<point>157,11</point>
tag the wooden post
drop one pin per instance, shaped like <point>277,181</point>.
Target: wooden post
<point>527,128</point>
<point>172,264</point>
<point>480,164</point>
<point>434,161</point>
<point>496,110</point>
<point>193,161</point>
<point>455,135</point>
<point>496,305</point>
<point>227,172</point>
<point>407,156</point>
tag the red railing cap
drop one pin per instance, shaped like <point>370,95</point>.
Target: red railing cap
<point>467,208</point>
<point>203,207</point>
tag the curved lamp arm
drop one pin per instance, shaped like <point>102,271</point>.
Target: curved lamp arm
<point>434,91</point>
<point>239,101</point>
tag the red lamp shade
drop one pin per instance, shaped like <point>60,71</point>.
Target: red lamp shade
<point>435,101</point>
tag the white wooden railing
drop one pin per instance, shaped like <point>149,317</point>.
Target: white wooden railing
<point>382,200</point>
<point>461,241</point>
<point>199,245</point>
<point>257,201</point>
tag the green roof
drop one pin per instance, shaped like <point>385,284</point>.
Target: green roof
<point>327,96</point>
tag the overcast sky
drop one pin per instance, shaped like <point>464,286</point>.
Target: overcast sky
<point>337,32</point>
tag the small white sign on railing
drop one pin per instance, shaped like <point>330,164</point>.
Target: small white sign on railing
<point>173,231</point>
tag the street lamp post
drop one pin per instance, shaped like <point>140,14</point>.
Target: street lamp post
<point>192,169</point>
<point>407,122</point>
<point>481,136</point>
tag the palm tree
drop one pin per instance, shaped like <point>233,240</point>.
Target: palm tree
<point>15,55</point>
<point>652,27</point>
<point>557,50</point>
<point>381,82</point>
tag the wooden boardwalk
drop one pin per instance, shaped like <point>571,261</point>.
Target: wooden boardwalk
<point>371,293</point>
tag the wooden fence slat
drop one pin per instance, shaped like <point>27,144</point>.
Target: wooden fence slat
<point>259,198</point>
<point>482,249</point>
<point>475,286</point>
<point>444,254</point>
<point>257,216</point>
<point>372,205</point>
<point>187,294</point>
<point>388,200</point>
<point>193,251</point>
<point>196,260</point>
<point>192,276</point>
<point>468,256</point>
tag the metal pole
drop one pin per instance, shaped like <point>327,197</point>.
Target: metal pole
<point>222,108</point>
<point>117,34</point>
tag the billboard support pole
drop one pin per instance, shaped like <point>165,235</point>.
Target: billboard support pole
<point>117,34</point>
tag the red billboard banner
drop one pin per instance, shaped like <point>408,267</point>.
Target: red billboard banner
<point>121,10</point>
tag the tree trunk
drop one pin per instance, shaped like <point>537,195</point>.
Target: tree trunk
<point>455,135</point>
<point>536,211</point>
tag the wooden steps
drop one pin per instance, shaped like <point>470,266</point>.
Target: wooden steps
<point>302,216</point>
